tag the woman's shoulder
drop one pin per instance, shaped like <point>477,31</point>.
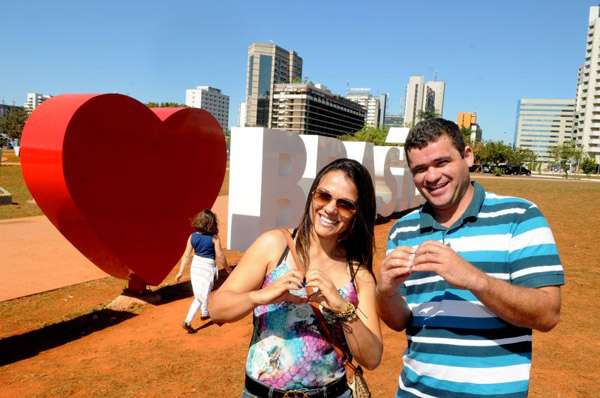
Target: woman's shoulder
<point>270,242</point>
<point>362,275</point>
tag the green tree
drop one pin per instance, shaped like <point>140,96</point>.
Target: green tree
<point>565,155</point>
<point>424,115</point>
<point>13,121</point>
<point>588,165</point>
<point>165,105</point>
<point>368,134</point>
<point>466,133</point>
<point>498,152</point>
<point>520,156</point>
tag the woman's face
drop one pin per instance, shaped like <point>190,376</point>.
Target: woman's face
<point>331,204</point>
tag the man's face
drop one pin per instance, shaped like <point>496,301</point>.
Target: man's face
<point>440,173</point>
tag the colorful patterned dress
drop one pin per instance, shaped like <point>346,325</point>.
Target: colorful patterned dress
<point>287,350</point>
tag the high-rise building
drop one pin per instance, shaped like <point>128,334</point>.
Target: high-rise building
<point>421,97</point>
<point>543,123</point>
<point>413,100</point>
<point>393,120</point>
<point>268,64</point>
<point>383,103</point>
<point>242,119</point>
<point>363,97</point>
<point>212,100</point>
<point>313,109</point>
<point>433,97</point>
<point>586,130</point>
<point>466,119</point>
<point>34,100</point>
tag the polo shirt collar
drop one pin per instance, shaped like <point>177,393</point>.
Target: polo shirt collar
<point>427,219</point>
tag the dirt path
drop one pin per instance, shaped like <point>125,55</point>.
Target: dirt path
<point>114,354</point>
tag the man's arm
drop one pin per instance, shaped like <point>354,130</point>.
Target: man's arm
<point>536,308</point>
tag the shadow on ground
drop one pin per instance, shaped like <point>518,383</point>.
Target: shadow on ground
<point>29,344</point>
<point>16,348</point>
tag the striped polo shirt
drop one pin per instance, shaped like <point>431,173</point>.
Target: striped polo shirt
<point>456,345</point>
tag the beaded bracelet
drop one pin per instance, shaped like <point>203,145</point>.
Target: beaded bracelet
<point>348,314</point>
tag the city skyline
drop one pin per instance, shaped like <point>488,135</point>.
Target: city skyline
<point>489,55</point>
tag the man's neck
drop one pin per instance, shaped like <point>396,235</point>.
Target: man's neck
<point>447,217</point>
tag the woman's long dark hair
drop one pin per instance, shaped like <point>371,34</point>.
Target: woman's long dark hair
<point>358,240</point>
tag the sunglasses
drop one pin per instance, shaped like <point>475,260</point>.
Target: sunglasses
<point>345,207</point>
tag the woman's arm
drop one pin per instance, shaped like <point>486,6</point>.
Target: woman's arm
<point>220,258</point>
<point>241,292</point>
<point>363,333</point>
<point>186,259</point>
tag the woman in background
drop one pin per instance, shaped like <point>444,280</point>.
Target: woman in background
<point>204,252</point>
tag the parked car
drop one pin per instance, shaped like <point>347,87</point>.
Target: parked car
<point>515,169</point>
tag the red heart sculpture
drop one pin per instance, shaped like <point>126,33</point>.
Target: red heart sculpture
<point>121,181</point>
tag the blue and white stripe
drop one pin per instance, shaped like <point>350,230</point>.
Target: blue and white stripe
<point>458,346</point>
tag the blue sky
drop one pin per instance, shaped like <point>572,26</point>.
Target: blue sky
<point>490,53</point>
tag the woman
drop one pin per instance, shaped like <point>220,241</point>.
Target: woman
<point>203,250</point>
<point>335,244</point>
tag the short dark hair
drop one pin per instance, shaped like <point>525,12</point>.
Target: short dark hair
<point>205,222</point>
<point>358,241</point>
<point>430,130</point>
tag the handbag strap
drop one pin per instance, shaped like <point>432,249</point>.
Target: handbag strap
<point>321,322</point>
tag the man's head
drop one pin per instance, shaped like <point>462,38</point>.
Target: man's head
<point>439,161</point>
<point>431,130</point>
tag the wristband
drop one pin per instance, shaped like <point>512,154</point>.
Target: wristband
<point>347,315</point>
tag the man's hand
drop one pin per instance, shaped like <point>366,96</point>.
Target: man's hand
<point>395,268</point>
<point>433,256</point>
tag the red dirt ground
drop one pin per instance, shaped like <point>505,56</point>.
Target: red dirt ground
<point>64,343</point>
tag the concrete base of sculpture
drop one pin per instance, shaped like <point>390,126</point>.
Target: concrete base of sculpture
<point>5,197</point>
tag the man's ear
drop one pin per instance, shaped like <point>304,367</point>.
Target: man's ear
<point>469,156</point>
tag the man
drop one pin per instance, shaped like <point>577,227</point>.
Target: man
<point>469,274</point>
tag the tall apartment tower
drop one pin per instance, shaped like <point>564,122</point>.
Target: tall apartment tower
<point>586,130</point>
<point>34,100</point>
<point>212,100</point>
<point>543,123</point>
<point>433,97</point>
<point>268,64</point>
<point>414,100</point>
<point>372,105</point>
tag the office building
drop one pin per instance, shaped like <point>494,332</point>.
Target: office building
<point>464,120</point>
<point>433,97</point>
<point>383,103</point>
<point>372,105</point>
<point>413,100</point>
<point>268,64</point>
<point>313,109</point>
<point>391,120</point>
<point>212,100</point>
<point>422,97</point>
<point>543,123</point>
<point>34,100</point>
<point>586,130</point>
<point>4,109</point>
<point>468,120</point>
<point>242,118</point>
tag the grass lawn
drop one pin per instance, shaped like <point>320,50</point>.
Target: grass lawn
<point>11,179</point>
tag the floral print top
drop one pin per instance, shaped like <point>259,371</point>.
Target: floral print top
<point>287,349</point>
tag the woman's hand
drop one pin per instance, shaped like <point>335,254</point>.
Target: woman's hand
<point>280,290</point>
<point>178,276</point>
<point>326,293</point>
